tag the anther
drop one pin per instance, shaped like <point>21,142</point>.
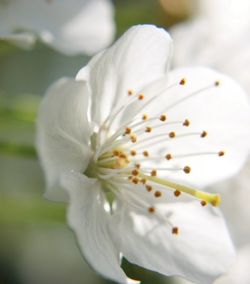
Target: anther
<point>127,130</point>
<point>172,134</point>
<point>182,81</point>
<point>137,165</point>
<point>143,181</point>
<point>186,169</point>
<point>148,129</point>
<point>135,180</point>
<point>133,138</point>
<point>133,153</point>
<point>144,117</point>
<point>203,134</point>
<point>153,173</point>
<point>163,117</point>
<point>149,188</point>
<point>141,97</point>
<point>130,92</point>
<point>157,194</point>
<point>177,193</point>
<point>203,203</point>
<point>217,83</point>
<point>169,157</point>
<point>151,209</point>
<point>186,123</point>
<point>175,230</point>
<point>135,172</point>
<point>145,153</point>
<point>221,153</point>
<point>116,153</point>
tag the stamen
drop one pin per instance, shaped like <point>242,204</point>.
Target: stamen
<point>203,203</point>
<point>186,169</point>
<point>144,117</point>
<point>135,172</point>
<point>182,81</point>
<point>221,153</point>
<point>141,97</point>
<point>133,137</point>
<point>153,173</point>
<point>163,117</point>
<point>145,153</point>
<point>127,130</point>
<point>133,153</point>
<point>130,92</point>
<point>148,129</point>
<point>217,83</point>
<point>203,134</point>
<point>149,187</point>
<point>177,193</point>
<point>169,157</point>
<point>172,134</point>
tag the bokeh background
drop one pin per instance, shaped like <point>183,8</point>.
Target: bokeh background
<point>36,246</point>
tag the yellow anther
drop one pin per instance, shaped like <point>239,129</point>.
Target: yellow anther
<point>221,153</point>
<point>186,169</point>
<point>133,138</point>
<point>172,134</point>
<point>135,180</point>
<point>177,193</point>
<point>149,188</point>
<point>182,81</point>
<point>203,203</point>
<point>163,117</point>
<point>130,92</point>
<point>141,97</point>
<point>148,129</point>
<point>153,173</point>
<point>133,153</point>
<point>175,230</point>
<point>151,209</point>
<point>158,194</point>
<point>217,83</point>
<point>135,172</point>
<point>144,117</point>
<point>145,153</point>
<point>203,134</point>
<point>186,123</point>
<point>127,130</point>
<point>169,157</point>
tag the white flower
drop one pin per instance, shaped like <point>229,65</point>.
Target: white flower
<point>70,26</point>
<point>125,139</point>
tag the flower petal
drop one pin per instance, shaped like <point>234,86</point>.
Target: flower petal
<point>90,222</point>
<point>139,57</point>
<point>63,132</point>
<point>83,26</point>
<point>212,103</point>
<point>200,252</point>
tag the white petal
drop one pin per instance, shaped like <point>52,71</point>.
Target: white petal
<point>90,222</point>
<point>63,132</point>
<point>139,57</point>
<point>222,111</point>
<point>200,252</point>
<point>72,27</point>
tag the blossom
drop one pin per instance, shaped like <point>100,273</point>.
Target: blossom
<point>128,143</point>
<point>71,26</point>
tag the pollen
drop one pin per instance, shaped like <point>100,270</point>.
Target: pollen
<point>175,230</point>
<point>144,117</point>
<point>127,130</point>
<point>153,173</point>
<point>151,209</point>
<point>172,134</point>
<point>203,203</point>
<point>149,187</point>
<point>182,81</point>
<point>133,153</point>
<point>133,138</point>
<point>203,134</point>
<point>130,92</point>
<point>187,169</point>
<point>186,123</point>
<point>177,193</point>
<point>145,153</point>
<point>148,129</point>
<point>221,153</point>
<point>158,194</point>
<point>141,97</point>
<point>163,117</point>
<point>169,157</point>
<point>217,83</point>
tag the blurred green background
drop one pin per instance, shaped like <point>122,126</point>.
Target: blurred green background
<point>36,246</point>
